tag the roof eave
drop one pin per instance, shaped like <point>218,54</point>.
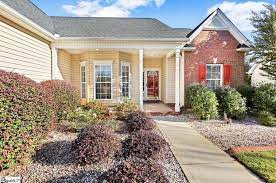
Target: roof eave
<point>26,22</point>
<point>121,39</point>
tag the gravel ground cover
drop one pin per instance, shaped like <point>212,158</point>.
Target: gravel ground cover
<point>236,134</point>
<point>54,163</point>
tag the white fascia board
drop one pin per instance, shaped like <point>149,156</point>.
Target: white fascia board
<point>25,21</point>
<point>243,49</point>
<point>121,39</point>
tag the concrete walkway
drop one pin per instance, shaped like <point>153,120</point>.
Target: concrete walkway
<point>201,160</point>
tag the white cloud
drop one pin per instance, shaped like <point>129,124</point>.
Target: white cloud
<point>108,8</point>
<point>239,13</point>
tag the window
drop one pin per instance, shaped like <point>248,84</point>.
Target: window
<point>214,75</point>
<point>125,79</point>
<point>83,80</point>
<point>103,81</point>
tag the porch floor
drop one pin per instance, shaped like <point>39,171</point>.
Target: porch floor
<point>157,108</point>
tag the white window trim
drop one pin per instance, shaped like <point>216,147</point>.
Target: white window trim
<point>127,64</point>
<point>83,64</point>
<point>221,76</point>
<point>94,67</point>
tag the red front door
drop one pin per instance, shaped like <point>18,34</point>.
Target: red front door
<point>152,84</point>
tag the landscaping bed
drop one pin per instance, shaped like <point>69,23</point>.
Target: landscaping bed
<point>236,134</point>
<point>263,163</point>
<point>54,162</point>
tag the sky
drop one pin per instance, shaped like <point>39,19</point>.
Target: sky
<point>175,13</point>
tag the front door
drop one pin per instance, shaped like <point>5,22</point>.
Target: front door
<point>152,84</point>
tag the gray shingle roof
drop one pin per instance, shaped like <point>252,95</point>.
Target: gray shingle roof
<point>32,12</point>
<point>115,28</point>
<point>97,27</point>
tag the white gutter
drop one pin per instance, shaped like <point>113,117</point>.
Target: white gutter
<point>120,39</point>
<point>26,21</point>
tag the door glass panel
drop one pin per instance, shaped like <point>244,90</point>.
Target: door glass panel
<point>152,84</point>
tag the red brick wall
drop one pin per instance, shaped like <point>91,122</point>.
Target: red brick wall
<point>215,44</point>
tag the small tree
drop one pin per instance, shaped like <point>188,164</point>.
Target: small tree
<point>264,36</point>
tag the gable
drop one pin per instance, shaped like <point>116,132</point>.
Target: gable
<point>219,21</point>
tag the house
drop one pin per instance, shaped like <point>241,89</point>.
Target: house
<point>107,58</point>
<point>257,75</point>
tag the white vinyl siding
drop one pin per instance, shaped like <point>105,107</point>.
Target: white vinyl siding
<point>24,54</point>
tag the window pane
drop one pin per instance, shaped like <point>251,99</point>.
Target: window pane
<point>125,80</point>
<point>213,76</point>
<point>103,81</point>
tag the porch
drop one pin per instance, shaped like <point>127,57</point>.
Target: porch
<point>109,74</point>
<point>158,108</point>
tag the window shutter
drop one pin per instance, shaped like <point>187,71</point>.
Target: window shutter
<point>201,73</point>
<point>227,74</point>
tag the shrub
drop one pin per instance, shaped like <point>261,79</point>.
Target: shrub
<point>135,171</point>
<point>145,144</point>
<point>95,144</point>
<point>247,92</point>
<point>66,96</point>
<point>264,98</point>
<point>125,107</point>
<point>231,103</point>
<point>139,120</point>
<point>98,109</point>
<point>202,101</point>
<point>267,118</point>
<point>25,115</point>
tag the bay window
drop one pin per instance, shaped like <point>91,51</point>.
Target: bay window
<point>83,79</point>
<point>125,79</point>
<point>103,81</point>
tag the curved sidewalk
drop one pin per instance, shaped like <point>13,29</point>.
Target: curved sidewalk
<point>201,160</point>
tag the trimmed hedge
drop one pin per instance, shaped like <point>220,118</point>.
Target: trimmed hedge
<point>203,101</point>
<point>144,145</point>
<point>25,115</point>
<point>66,97</point>
<point>95,144</point>
<point>139,120</point>
<point>231,103</point>
<point>135,170</point>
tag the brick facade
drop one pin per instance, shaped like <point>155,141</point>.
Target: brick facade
<point>215,45</point>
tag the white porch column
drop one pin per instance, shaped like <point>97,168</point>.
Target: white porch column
<point>141,69</point>
<point>182,80</point>
<point>54,62</point>
<point>177,96</point>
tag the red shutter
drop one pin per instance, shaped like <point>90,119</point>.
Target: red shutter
<point>227,74</point>
<point>202,73</point>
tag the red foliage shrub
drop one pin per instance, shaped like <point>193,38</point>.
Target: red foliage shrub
<point>25,115</point>
<point>95,144</point>
<point>145,144</point>
<point>139,120</point>
<point>66,96</point>
<point>135,171</point>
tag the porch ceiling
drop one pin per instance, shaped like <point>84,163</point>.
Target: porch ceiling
<point>147,52</point>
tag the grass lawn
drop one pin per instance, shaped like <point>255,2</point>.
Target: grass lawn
<point>263,163</point>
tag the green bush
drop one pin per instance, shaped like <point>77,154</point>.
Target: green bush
<point>267,118</point>
<point>202,101</point>
<point>247,92</point>
<point>264,99</point>
<point>66,97</point>
<point>231,103</point>
<point>98,109</point>
<point>25,116</point>
<point>125,107</point>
